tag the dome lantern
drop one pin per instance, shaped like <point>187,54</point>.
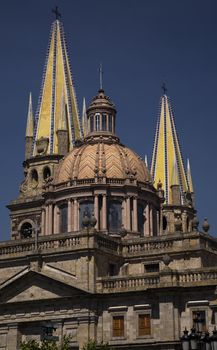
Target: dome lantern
<point>101,115</point>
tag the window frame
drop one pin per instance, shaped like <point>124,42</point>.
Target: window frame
<point>118,314</point>
<point>97,122</point>
<point>143,310</point>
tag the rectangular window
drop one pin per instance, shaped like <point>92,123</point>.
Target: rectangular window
<point>144,325</point>
<point>152,268</point>
<point>118,326</point>
<point>199,320</point>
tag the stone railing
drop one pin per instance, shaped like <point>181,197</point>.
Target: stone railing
<point>132,248</point>
<point>107,243</point>
<point>42,244</point>
<point>121,284</point>
<point>165,278</point>
<point>67,241</point>
<point>206,275</point>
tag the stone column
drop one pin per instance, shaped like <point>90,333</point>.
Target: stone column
<point>151,220</point>
<point>50,220</point>
<point>69,215</point>
<point>13,337</point>
<point>123,208</point>
<point>104,212</point>
<point>128,214</point>
<point>184,222</point>
<point>43,221</point>
<point>75,214</point>
<point>160,222</point>
<point>56,219</point>
<point>96,210</point>
<point>46,219</point>
<point>147,221</point>
<point>135,214</point>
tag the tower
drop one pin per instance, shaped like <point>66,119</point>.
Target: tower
<point>167,168</point>
<point>52,133</point>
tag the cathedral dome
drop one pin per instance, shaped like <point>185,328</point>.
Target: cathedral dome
<point>102,158</point>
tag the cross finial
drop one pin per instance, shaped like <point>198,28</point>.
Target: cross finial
<point>100,77</point>
<point>56,12</point>
<point>164,88</point>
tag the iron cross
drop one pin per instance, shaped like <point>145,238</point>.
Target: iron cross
<point>164,88</point>
<point>56,12</point>
<point>100,76</point>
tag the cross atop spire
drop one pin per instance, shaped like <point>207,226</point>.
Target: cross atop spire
<point>164,88</point>
<point>56,12</point>
<point>100,77</point>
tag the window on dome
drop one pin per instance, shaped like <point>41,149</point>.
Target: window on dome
<point>104,122</point>
<point>97,121</point>
<point>114,216</point>
<point>64,218</point>
<point>86,208</point>
<point>110,123</point>
<point>140,218</point>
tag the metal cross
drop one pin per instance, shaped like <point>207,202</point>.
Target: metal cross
<point>100,76</point>
<point>164,88</point>
<point>56,12</point>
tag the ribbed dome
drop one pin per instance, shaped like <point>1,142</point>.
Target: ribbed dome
<point>101,159</point>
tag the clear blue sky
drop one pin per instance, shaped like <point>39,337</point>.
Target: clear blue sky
<point>141,44</point>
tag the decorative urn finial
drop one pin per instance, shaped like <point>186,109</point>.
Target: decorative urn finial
<point>206,225</point>
<point>195,223</point>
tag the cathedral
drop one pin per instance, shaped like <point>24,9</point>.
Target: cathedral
<point>102,247</point>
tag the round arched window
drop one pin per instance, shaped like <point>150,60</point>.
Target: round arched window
<point>26,230</point>
<point>34,178</point>
<point>46,173</point>
<point>164,223</point>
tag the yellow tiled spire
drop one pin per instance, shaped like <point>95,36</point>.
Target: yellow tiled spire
<point>30,119</point>
<point>167,153</point>
<point>189,177</point>
<point>57,84</point>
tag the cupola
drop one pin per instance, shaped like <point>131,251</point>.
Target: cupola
<point>101,115</point>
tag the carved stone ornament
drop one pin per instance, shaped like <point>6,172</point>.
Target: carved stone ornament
<point>42,145</point>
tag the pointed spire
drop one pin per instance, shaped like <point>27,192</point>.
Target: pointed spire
<point>189,177</point>
<point>84,118</point>
<point>56,81</point>
<point>167,152</point>
<point>146,160</point>
<point>30,119</point>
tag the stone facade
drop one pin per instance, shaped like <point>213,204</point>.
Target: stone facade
<point>94,247</point>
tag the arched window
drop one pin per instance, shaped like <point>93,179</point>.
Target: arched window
<point>164,223</point>
<point>97,121</point>
<point>26,230</point>
<point>34,178</point>
<point>110,123</point>
<point>104,122</point>
<point>63,218</point>
<point>86,208</point>
<point>46,173</point>
<point>114,215</point>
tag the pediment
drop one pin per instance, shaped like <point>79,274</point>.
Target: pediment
<point>34,286</point>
